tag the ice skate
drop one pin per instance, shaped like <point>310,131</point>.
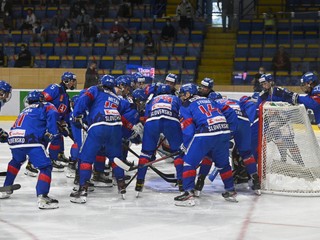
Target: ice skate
<point>31,170</point>
<point>45,202</point>
<point>122,188</point>
<point>180,186</point>
<point>101,180</point>
<point>185,200</point>
<point>256,187</point>
<point>71,171</point>
<point>199,185</point>
<point>230,196</point>
<point>80,195</point>
<point>56,166</point>
<point>4,195</point>
<point>63,159</point>
<point>139,187</point>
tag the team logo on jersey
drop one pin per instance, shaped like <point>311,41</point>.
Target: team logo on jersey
<point>62,108</point>
<point>111,112</point>
<point>216,120</point>
<point>17,133</point>
<point>162,106</point>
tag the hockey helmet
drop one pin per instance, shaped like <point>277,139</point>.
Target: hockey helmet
<point>163,89</point>
<point>190,88</point>
<point>171,77</point>
<point>5,91</point>
<point>266,78</point>
<point>309,77</point>
<point>68,76</point>
<point>140,95</point>
<point>214,96</point>
<point>107,81</point>
<point>207,82</point>
<point>35,96</point>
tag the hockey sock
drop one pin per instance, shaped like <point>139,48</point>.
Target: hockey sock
<point>74,152</point>
<point>54,148</point>
<point>85,172</point>
<point>99,164</point>
<point>188,176</point>
<point>117,171</point>
<point>205,166</point>
<point>251,165</point>
<point>178,163</point>
<point>44,181</point>
<point>143,171</point>
<point>226,177</point>
<point>12,171</point>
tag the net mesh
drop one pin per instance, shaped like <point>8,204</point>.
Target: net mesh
<point>290,154</point>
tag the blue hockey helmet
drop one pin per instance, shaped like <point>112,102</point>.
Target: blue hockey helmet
<point>74,98</point>
<point>68,76</point>
<point>190,88</point>
<point>35,96</point>
<point>266,78</point>
<point>215,95</point>
<point>140,95</point>
<point>309,77</point>
<point>5,91</point>
<point>123,80</point>
<point>207,82</point>
<point>255,95</point>
<point>171,77</point>
<point>107,81</point>
<point>138,77</point>
<point>163,89</point>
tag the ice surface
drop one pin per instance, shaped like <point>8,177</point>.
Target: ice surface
<point>153,216</point>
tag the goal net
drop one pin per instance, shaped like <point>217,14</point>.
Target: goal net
<point>289,153</point>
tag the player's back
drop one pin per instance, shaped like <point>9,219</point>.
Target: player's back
<point>58,96</point>
<point>164,106</point>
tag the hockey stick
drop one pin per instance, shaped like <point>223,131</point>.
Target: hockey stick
<point>3,174</point>
<point>10,188</point>
<point>161,174</point>
<point>131,168</point>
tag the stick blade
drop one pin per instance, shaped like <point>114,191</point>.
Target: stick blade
<point>10,188</point>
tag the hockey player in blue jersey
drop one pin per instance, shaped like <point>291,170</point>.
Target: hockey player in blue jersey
<point>34,127</point>
<point>162,117</point>
<point>139,80</point>
<point>242,138</point>
<point>104,121</point>
<point>273,93</point>
<point>5,96</point>
<point>171,80</point>
<point>205,132</point>
<point>58,96</point>
<point>206,87</point>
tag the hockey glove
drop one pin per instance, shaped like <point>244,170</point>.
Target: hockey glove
<point>78,121</point>
<point>63,128</point>
<point>278,91</point>
<point>291,97</point>
<point>182,150</point>
<point>3,136</point>
<point>48,137</point>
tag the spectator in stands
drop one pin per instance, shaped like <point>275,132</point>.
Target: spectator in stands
<point>185,13</point>
<point>101,8</point>
<point>125,9</point>
<point>126,43</point>
<point>92,76</point>
<point>116,31</point>
<point>5,6</point>
<point>82,19</point>
<point>168,32</point>
<point>281,61</point>
<point>57,20</point>
<point>39,33</point>
<point>269,20</point>
<point>7,21</point>
<point>24,57</point>
<point>149,44</point>
<point>65,33</point>
<point>29,21</point>
<point>91,32</point>
<point>226,11</point>
<point>75,9</point>
<point>255,82</point>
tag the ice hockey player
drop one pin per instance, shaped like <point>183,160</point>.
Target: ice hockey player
<point>162,117</point>
<point>105,130</point>
<point>5,96</point>
<point>171,80</point>
<point>34,127</point>
<point>283,136</point>
<point>139,80</point>
<point>58,96</point>
<point>205,132</point>
<point>206,87</point>
<point>310,86</point>
<point>242,139</point>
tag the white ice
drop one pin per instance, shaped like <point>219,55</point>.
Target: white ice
<point>153,216</point>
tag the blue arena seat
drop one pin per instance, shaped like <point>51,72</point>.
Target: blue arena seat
<point>60,49</point>
<point>187,76</point>
<point>240,64</point>
<point>245,25</point>
<point>162,62</point>
<point>80,62</point>
<point>166,48</point>
<point>194,49</point>
<point>134,60</point>
<point>47,49</point>
<point>148,61</point>
<point>255,50</point>
<point>40,61</point>
<point>256,37</point>
<point>243,37</point>
<point>241,50</point>
<point>9,48</point>
<point>53,61</point>
<point>106,62</point>
<point>66,61</point>
<point>175,62</point>
<point>120,62</point>
<point>197,36</point>
<point>112,49</point>
<point>179,49</point>
<point>73,49</point>
<point>99,49</point>
<point>190,62</point>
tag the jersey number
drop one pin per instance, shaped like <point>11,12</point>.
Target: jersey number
<point>205,111</point>
<point>19,121</point>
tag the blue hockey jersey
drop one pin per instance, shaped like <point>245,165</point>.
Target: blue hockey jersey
<point>32,123</point>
